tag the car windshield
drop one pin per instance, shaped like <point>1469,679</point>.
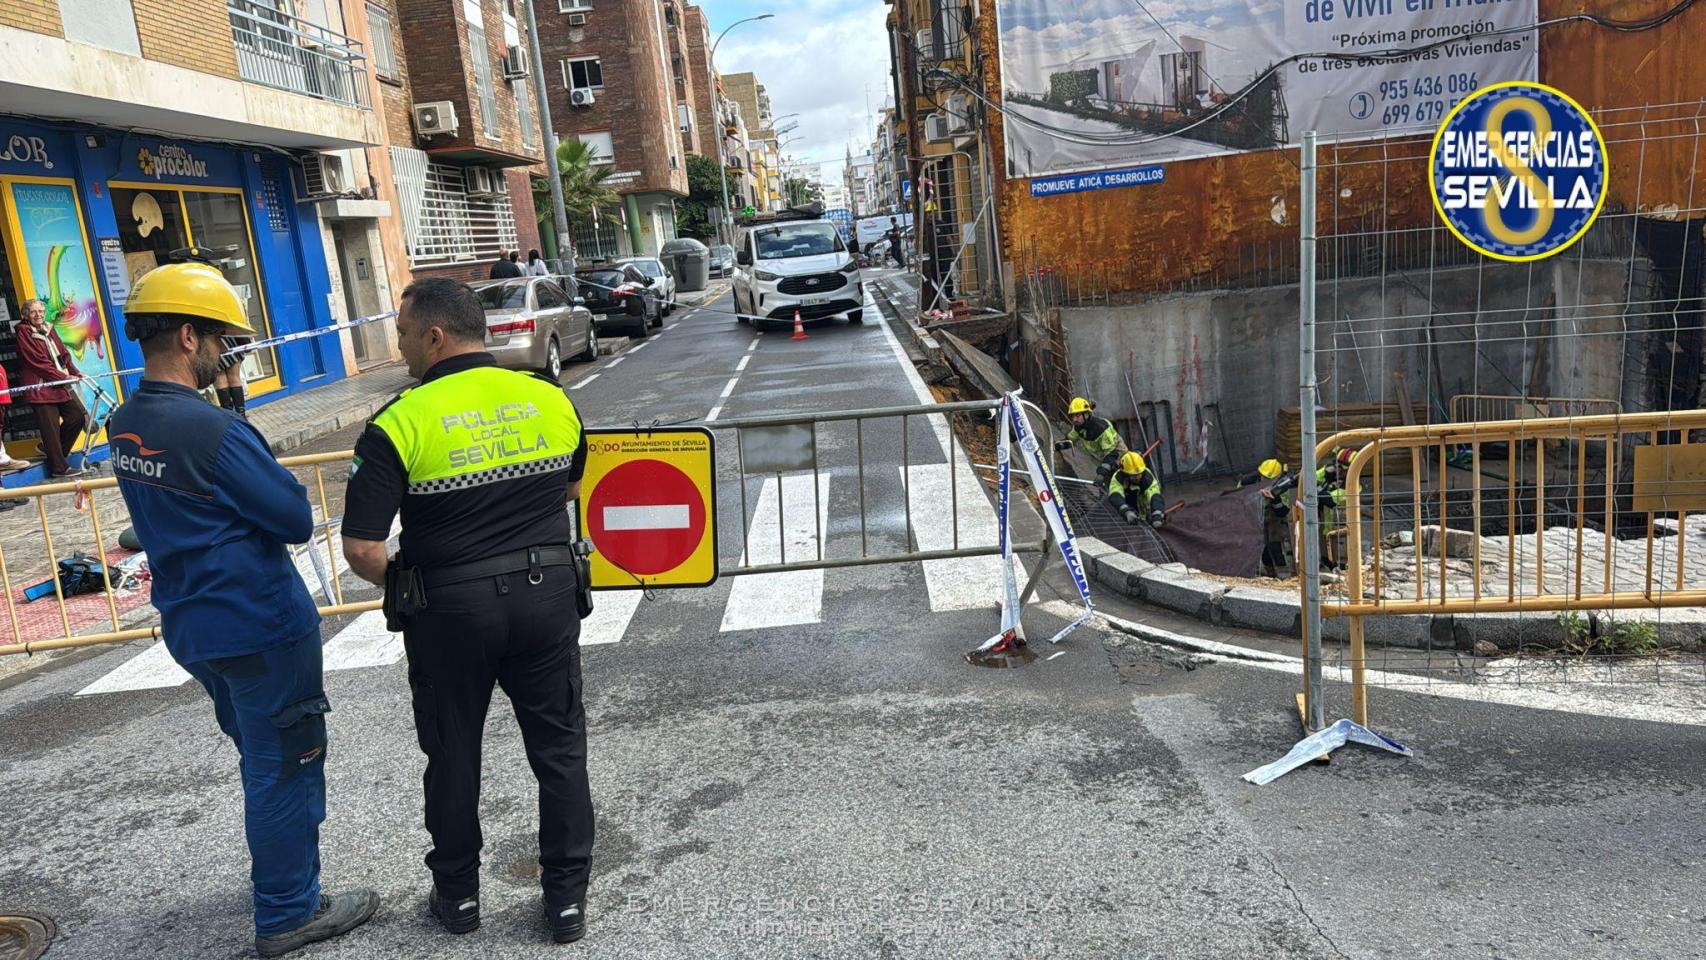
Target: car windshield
<point>650,268</point>
<point>723,251</point>
<point>600,281</point>
<point>796,240</point>
<point>503,296</point>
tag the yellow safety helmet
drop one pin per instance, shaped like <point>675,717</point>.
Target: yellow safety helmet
<point>1133,463</point>
<point>194,290</point>
<point>1079,405</point>
<point>1270,469</point>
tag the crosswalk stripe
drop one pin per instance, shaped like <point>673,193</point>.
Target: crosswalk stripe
<point>961,583</point>
<point>151,669</point>
<point>612,611</point>
<point>794,597</point>
<point>363,642</point>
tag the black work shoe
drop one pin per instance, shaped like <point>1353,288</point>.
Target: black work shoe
<point>567,923</point>
<point>460,916</point>
<point>337,916</point>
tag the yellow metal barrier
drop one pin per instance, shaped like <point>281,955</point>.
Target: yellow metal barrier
<point>88,490</point>
<point>1667,475</point>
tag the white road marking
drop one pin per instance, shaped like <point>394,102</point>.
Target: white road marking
<point>753,345</point>
<point>656,517</point>
<point>612,610</point>
<point>794,597</point>
<point>641,346</point>
<point>743,362</point>
<point>961,583</point>
<point>616,361</point>
<point>577,386</point>
<point>728,388</point>
<point>715,412</point>
<point>363,642</point>
<point>678,322</point>
<point>151,669</point>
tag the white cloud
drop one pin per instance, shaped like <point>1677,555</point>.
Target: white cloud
<point>818,58</point>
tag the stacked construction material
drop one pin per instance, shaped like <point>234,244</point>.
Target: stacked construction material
<point>1349,416</point>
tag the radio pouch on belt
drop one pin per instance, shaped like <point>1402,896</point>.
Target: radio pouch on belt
<point>583,577</point>
<point>405,595</point>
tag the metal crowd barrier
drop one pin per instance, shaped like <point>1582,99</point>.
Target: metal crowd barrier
<point>1617,472</point>
<point>118,631</point>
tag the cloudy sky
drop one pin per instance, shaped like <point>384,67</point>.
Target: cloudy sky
<point>818,58</point>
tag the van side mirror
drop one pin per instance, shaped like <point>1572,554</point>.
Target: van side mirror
<point>743,258</point>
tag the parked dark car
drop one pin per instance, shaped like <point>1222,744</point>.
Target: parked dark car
<point>722,260</point>
<point>623,300</point>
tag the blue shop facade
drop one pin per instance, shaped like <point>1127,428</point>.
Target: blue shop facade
<point>85,210</point>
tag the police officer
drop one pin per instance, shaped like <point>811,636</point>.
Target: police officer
<point>481,462</point>
<point>1136,492</point>
<point>214,511</point>
<point>1095,436</point>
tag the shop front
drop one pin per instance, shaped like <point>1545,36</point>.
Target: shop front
<point>84,211</point>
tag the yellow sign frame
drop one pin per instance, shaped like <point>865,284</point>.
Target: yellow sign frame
<point>691,450</point>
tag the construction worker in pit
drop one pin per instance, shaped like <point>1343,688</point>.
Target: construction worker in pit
<point>1095,436</point>
<point>1136,492</point>
<point>214,510</point>
<point>1330,501</point>
<point>1278,495</point>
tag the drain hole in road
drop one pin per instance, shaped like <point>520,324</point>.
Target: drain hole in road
<point>1005,660</point>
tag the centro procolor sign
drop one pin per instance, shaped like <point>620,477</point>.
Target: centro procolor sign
<point>1518,171</point>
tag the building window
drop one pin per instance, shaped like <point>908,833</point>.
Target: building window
<point>602,145</point>
<point>597,241</point>
<point>524,111</point>
<point>482,62</point>
<point>442,224</point>
<point>669,13</point>
<point>583,74</point>
<point>384,47</point>
<point>684,117</point>
<point>574,6</point>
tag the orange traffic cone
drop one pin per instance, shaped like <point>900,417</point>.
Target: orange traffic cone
<point>799,328</point>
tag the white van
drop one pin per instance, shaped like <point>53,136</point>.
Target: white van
<point>794,262</point>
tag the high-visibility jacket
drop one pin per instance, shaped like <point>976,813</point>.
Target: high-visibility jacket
<point>1141,492</point>
<point>1097,437</point>
<point>477,458</point>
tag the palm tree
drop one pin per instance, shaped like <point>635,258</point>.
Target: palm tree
<point>583,183</point>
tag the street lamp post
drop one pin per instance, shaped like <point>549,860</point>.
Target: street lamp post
<point>722,161</point>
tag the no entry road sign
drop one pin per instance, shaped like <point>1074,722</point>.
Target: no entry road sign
<point>649,505</point>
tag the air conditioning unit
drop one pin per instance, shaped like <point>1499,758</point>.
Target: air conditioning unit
<point>959,114</point>
<point>577,19</point>
<point>323,175</point>
<point>582,97</point>
<point>482,181</point>
<point>924,42</point>
<point>936,128</point>
<point>435,118</point>
<point>515,63</point>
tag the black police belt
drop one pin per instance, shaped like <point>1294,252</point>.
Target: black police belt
<point>406,587</point>
<point>531,561</point>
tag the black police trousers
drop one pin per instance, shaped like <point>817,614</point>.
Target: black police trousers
<point>525,637</point>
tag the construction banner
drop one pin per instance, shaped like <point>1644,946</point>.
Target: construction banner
<point>1095,84</point>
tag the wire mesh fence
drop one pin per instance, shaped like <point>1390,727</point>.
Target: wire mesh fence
<point>1528,429</point>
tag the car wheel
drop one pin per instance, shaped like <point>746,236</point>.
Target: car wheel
<point>856,316</point>
<point>591,352</point>
<point>642,330</point>
<point>553,359</point>
<point>657,319</point>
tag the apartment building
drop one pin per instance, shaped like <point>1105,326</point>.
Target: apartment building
<point>132,128</point>
<point>463,139</point>
<point>613,67</point>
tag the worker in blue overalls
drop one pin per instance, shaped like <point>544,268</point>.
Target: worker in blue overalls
<point>214,510</point>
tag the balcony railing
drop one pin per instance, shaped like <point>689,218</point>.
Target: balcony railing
<point>278,50</point>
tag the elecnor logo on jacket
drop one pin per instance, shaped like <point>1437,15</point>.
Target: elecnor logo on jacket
<point>1518,171</point>
<point>170,161</point>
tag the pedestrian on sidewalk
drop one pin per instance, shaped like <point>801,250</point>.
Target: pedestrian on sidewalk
<point>484,588</point>
<point>894,244</point>
<point>536,266</point>
<point>505,267</point>
<point>214,511</point>
<point>7,461</point>
<point>228,383</point>
<point>43,358</point>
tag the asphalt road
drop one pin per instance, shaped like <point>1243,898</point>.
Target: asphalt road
<point>812,769</point>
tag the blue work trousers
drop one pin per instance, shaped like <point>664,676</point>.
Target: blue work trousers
<point>273,707</point>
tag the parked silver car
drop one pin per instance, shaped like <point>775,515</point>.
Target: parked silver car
<point>531,323</point>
